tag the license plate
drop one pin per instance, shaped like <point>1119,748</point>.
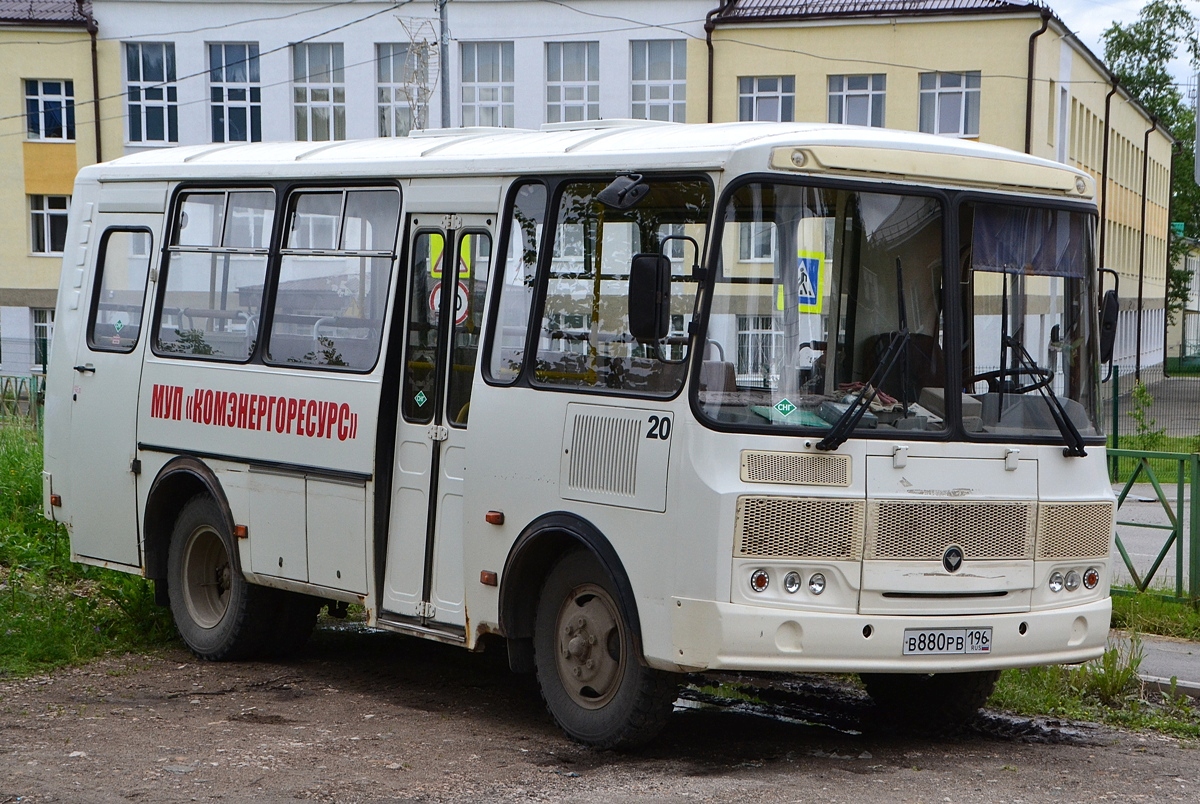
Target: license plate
<point>933,641</point>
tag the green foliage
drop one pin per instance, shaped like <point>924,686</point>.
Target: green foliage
<point>1148,613</point>
<point>52,611</point>
<point>1146,435</point>
<point>1106,690</point>
<point>1138,54</point>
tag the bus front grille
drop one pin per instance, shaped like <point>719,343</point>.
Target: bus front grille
<point>799,528</point>
<point>922,530</point>
<point>795,467</point>
<point>1074,530</point>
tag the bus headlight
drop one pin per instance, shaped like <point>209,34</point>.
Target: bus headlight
<point>816,584</point>
<point>1072,582</point>
<point>760,580</point>
<point>791,583</point>
<point>1056,582</point>
<point>1091,577</point>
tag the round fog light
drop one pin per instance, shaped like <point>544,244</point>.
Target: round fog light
<point>760,580</point>
<point>1091,577</point>
<point>791,583</point>
<point>816,584</point>
<point>1072,582</point>
<point>1056,582</point>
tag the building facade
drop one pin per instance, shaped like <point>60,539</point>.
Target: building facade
<point>1000,72</point>
<point>47,132</point>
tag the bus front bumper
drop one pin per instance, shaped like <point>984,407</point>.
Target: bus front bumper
<point>708,635</point>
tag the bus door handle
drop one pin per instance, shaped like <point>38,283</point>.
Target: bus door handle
<point>85,368</point>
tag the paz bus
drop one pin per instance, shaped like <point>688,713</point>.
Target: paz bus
<point>628,400</point>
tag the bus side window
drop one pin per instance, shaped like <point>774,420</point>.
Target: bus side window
<point>522,241</point>
<point>116,315</point>
<point>474,266</point>
<point>419,395</point>
<point>333,279</point>
<point>215,272</point>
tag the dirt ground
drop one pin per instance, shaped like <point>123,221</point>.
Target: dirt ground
<point>367,717</point>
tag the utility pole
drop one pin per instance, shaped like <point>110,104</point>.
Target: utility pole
<point>444,60</point>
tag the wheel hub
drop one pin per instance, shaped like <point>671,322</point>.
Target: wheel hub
<point>590,658</point>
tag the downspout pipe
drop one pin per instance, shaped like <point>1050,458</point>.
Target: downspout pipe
<point>1104,169</point>
<point>1029,80</point>
<point>92,29</point>
<point>710,25</point>
<point>1167,273</point>
<point>1137,364</point>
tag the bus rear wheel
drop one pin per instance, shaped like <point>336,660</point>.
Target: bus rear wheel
<point>218,615</point>
<point>929,703</point>
<point>590,677</point>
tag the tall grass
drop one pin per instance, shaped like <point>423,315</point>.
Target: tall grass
<point>52,611</point>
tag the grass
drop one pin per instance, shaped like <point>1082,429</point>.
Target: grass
<point>54,612</point>
<point>1106,690</point>
<point>1148,613</point>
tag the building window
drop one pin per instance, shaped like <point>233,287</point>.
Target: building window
<point>758,343</point>
<point>50,109</point>
<point>319,92</point>
<point>950,104</point>
<point>660,80</point>
<point>572,81</point>
<point>857,99</point>
<point>402,75</point>
<point>43,335</point>
<point>756,241</point>
<point>48,223</point>
<point>152,95</point>
<point>487,84</point>
<point>235,92</point>
<point>767,97</point>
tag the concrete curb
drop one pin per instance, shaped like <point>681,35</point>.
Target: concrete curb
<point>1164,685</point>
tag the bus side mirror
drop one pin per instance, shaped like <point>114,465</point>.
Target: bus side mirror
<point>649,297</point>
<point>1110,308</point>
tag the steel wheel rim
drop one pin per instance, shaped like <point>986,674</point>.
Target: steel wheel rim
<point>590,646</point>
<point>207,577</point>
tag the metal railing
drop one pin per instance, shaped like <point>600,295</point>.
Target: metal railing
<point>1183,516</point>
<point>21,397</point>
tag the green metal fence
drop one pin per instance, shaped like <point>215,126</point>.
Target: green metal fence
<point>21,397</point>
<point>1161,470</point>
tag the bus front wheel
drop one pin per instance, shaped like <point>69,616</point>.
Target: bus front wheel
<point>218,615</point>
<point>590,677</point>
<point>929,702</point>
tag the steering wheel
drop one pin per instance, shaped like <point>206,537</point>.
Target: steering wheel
<point>994,378</point>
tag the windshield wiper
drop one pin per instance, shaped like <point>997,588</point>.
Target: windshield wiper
<point>1070,433</point>
<point>850,417</point>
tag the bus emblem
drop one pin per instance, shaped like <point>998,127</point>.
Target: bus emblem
<point>952,559</point>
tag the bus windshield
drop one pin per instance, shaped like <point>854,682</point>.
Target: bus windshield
<point>828,316</point>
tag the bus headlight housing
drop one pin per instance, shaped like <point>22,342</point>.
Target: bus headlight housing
<point>1056,582</point>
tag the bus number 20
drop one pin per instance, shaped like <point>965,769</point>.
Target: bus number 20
<point>660,427</point>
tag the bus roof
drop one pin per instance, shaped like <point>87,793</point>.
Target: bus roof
<point>616,145</point>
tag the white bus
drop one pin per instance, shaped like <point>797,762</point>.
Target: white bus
<point>637,399</point>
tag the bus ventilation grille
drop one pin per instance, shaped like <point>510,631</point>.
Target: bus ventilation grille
<point>800,528</point>
<point>795,467</point>
<point>1074,530</point>
<point>921,531</point>
<point>604,452</point>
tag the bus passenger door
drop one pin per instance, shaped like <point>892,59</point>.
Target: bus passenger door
<point>104,395</point>
<point>450,258</point>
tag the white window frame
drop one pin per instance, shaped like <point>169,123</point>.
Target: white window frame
<point>145,95</point>
<point>41,216</point>
<point>225,94</point>
<point>758,343</point>
<point>572,94</point>
<point>487,102</point>
<point>43,330</point>
<point>756,93</point>
<point>848,90</point>
<point>318,90</point>
<point>658,95</point>
<point>939,89</point>
<point>398,76</point>
<point>751,233</point>
<point>39,105</point>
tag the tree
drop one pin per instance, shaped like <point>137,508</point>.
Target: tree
<point>1138,54</point>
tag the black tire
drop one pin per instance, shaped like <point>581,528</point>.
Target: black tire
<point>587,668</point>
<point>929,703</point>
<point>295,617</point>
<point>219,616</point>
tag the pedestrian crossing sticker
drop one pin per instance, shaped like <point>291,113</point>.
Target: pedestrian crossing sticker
<point>810,282</point>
